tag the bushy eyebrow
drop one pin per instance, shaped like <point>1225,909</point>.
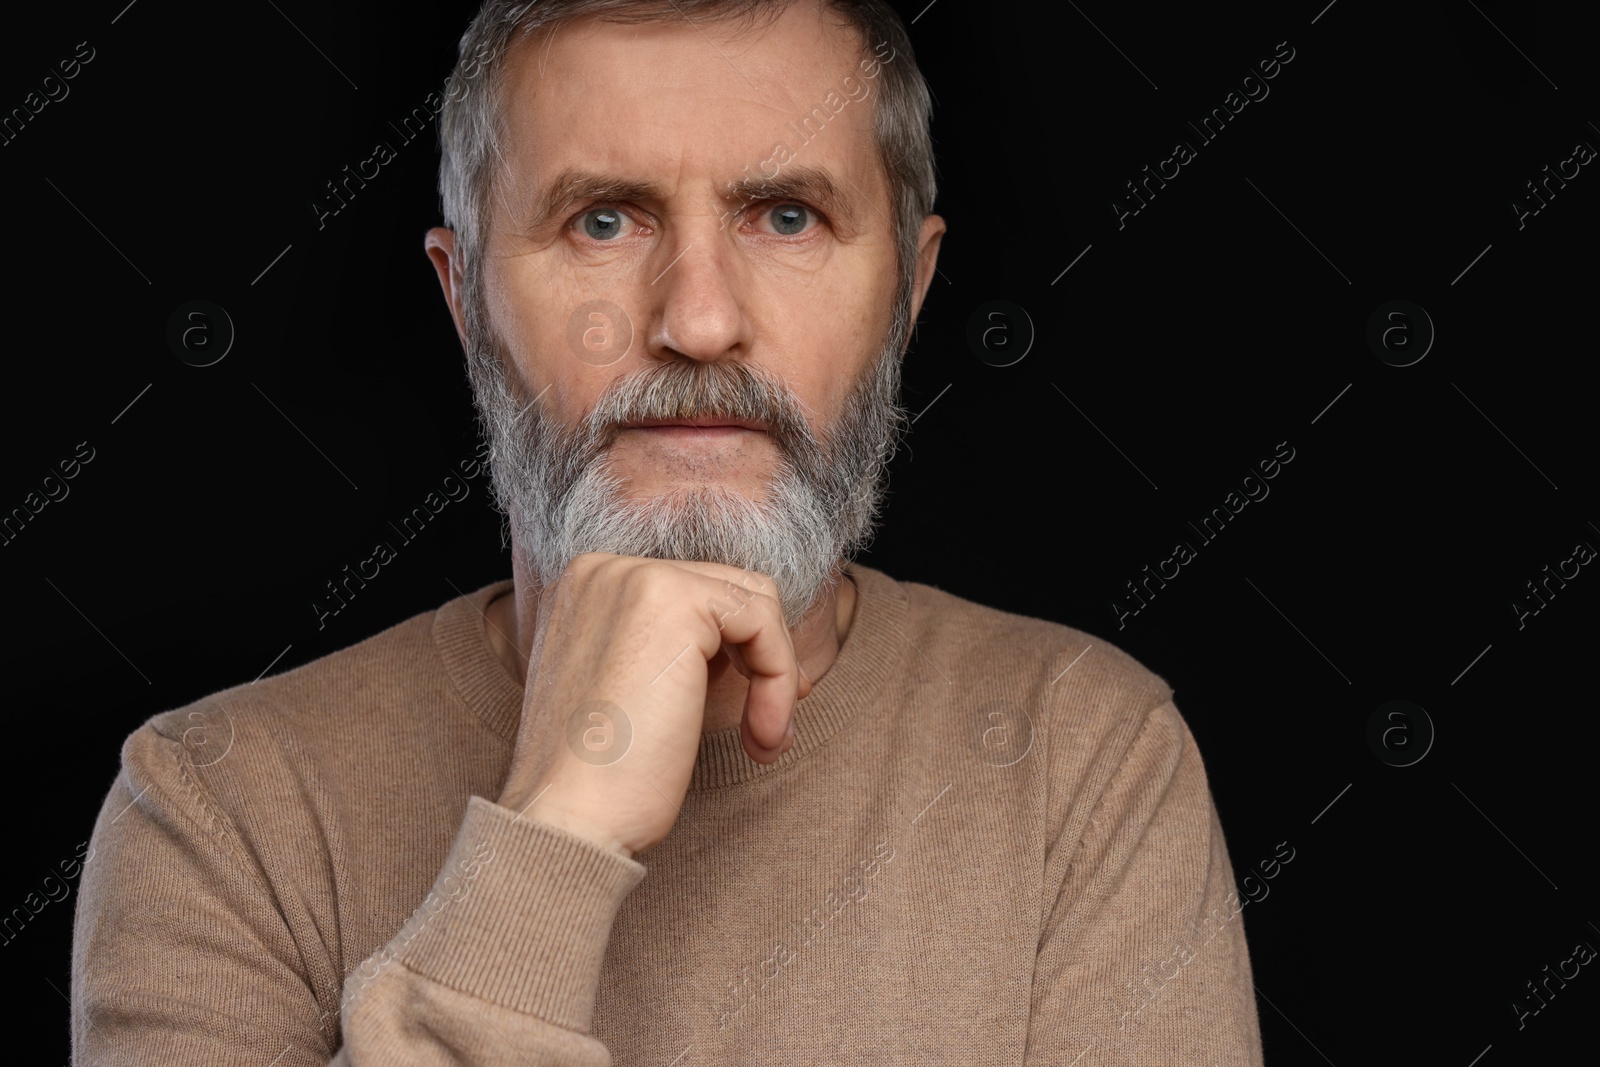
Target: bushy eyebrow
<point>794,182</point>
<point>812,184</point>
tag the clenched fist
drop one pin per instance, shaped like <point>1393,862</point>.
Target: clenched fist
<point>618,675</point>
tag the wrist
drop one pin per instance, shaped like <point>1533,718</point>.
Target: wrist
<point>543,809</point>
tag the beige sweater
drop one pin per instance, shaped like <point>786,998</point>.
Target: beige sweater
<point>992,842</point>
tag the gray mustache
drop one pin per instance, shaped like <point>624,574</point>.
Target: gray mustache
<point>689,390</point>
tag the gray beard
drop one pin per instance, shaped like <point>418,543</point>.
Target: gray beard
<point>562,498</point>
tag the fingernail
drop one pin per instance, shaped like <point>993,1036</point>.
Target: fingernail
<point>788,735</point>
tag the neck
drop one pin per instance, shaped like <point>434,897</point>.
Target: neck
<point>512,621</point>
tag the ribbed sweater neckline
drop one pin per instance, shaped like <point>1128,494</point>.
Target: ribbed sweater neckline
<point>870,654</point>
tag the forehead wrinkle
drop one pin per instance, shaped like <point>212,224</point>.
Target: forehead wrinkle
<point>750,187</point>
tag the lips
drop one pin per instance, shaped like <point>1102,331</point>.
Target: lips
<point>710,422</point>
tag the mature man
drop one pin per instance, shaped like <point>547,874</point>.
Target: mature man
<point>877,822</point>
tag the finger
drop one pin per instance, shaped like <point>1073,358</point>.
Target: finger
<point>744,582</point>
<point>768,655</point>
<point>736,659</point>
<point>732,654</point>
<point>756,751</point>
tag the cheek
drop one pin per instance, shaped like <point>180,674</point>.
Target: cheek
<point>829,394</point>
<point>521,318</point>
<point>857,343</point>
<point>859,309</point>
<point>531,338</point>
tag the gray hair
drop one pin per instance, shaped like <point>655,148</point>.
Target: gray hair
<point>471,123</point>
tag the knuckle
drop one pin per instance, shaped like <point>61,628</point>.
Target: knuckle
<point>585,564</point>
<point>652,583</point>
<point>759,582</point>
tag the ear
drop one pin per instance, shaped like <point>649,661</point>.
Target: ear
<point>927,256</point>
<point>441,247</point>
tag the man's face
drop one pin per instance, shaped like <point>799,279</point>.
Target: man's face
<point>780,312</point>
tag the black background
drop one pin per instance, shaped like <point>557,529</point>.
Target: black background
<point>1178,350</point>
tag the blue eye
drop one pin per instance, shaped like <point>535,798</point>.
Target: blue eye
<point>602,223</point>
<point>790,219</point>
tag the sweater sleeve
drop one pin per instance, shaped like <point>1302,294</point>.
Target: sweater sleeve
<point>500,967</point>
<point>182,953</point>
<point>1142,958</point>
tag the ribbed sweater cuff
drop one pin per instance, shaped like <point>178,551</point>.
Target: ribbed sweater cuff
<point>520,916</point>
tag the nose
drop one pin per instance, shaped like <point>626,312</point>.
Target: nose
<point>697,302</point>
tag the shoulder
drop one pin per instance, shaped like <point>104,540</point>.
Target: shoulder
<point>315,697</point>
<point>1074,727</point>
<point>1016,653</point>
<point>1013,686</point>
<point>314,729</point>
